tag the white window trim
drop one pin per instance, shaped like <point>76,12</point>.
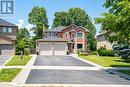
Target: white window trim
<point>6,30</point>
<point>67,34</point>
<point>77,34</point>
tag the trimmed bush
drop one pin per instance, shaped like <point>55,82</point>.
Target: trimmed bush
<point>104,52</point>
<point>26,51</point>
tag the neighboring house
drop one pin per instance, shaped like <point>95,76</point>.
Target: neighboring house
<point>60,40</point>
<point>7,37</point>
<point>102,42</point>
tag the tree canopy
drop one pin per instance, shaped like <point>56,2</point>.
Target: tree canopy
<point>73,15</point>
<point>38,17</point>
<point>23,40</point>
<point>117,20</point>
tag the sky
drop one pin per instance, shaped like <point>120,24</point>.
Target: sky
<point>93,8</point>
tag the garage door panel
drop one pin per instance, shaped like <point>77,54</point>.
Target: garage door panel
<point>59,49</point>
<point>45,49</point>
<point>6,49</point>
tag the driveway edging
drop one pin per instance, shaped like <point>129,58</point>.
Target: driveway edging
<point>108,69</point>
<point>23,75</point>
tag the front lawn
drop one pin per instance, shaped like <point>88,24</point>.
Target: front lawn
<point>16,60</point>
<point>106,61</point>
<point>125,72</point>
<point>7,75</point>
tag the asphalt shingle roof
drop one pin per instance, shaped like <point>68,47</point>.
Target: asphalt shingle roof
<point>60,28</point>
<point>6,23</point>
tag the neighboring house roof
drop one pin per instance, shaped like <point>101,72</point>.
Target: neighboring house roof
<point>6,23</point>
<point>53,39</point>
<point>60,28</point>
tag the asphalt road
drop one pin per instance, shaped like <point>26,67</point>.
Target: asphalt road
<point>59,61</point>
<point>73,77</point>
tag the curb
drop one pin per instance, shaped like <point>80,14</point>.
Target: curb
<point>23,75</point>
<point>8,60</point>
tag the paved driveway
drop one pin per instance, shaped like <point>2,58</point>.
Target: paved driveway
<point>73,77</point>
<point>67,76</point>
<point>3,59</point>
<point>59,61</point>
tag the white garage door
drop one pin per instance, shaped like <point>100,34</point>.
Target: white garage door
<point>52,48</point>
<point>45,49</point>
<point>59,49</point>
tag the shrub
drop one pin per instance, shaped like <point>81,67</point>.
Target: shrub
<point>26,51</point>
<point>122,49</point>
<point>104,52</point>
<point>94,53</point>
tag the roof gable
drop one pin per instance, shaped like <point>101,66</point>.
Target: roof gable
<point>6,23</point>
<point>71,27</point>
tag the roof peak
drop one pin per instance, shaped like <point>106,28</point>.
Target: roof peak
<point>6,23</point>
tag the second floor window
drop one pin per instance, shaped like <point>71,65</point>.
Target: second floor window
<point>73,35</point>
<point>10,30</point>
<point>6,30</point>
<point>66,34</point>
<point>79,34</point>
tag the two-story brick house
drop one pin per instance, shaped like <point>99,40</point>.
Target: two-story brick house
<point>60,40</point>
<point>7,37</point>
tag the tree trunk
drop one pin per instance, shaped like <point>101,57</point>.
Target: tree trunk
<point>21,54</point>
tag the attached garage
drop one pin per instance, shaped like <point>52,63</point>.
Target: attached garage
<point>6,49</point>
<point>52,47</point>
<point>7,46</point>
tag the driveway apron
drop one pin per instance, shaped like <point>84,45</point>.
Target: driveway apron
<point>73,76</point>
<point>3,59</point>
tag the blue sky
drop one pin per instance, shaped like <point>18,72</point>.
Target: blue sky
<point>22,7</point>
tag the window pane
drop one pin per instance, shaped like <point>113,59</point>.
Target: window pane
<point>66,34</point>
<point>4,29</point>
<point>10,30</point>
<point>79,34</point>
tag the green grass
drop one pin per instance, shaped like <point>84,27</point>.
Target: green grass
<point>125,72</point>
<point>16,60</point>
<point>7,75</point>
<point>106,61</point>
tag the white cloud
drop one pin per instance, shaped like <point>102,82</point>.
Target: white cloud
<point>29,26</point>
<point>20,23</point>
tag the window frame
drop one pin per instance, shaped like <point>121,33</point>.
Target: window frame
<point>6,30</point>
<point>66,34</point>
<point>10,28</point>
<point>79,33</point>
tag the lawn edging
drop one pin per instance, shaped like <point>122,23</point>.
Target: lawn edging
<point>116,72</point>
<point>16,61</point>
<point>8,74</point>
<point>113,70</point>
<point>23,75</point>
<point>8,60</point>
<point>81,59</point>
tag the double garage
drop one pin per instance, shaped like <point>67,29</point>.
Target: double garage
<point>52,47</point>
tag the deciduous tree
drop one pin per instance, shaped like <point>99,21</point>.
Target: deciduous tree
<point>38,17</point>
